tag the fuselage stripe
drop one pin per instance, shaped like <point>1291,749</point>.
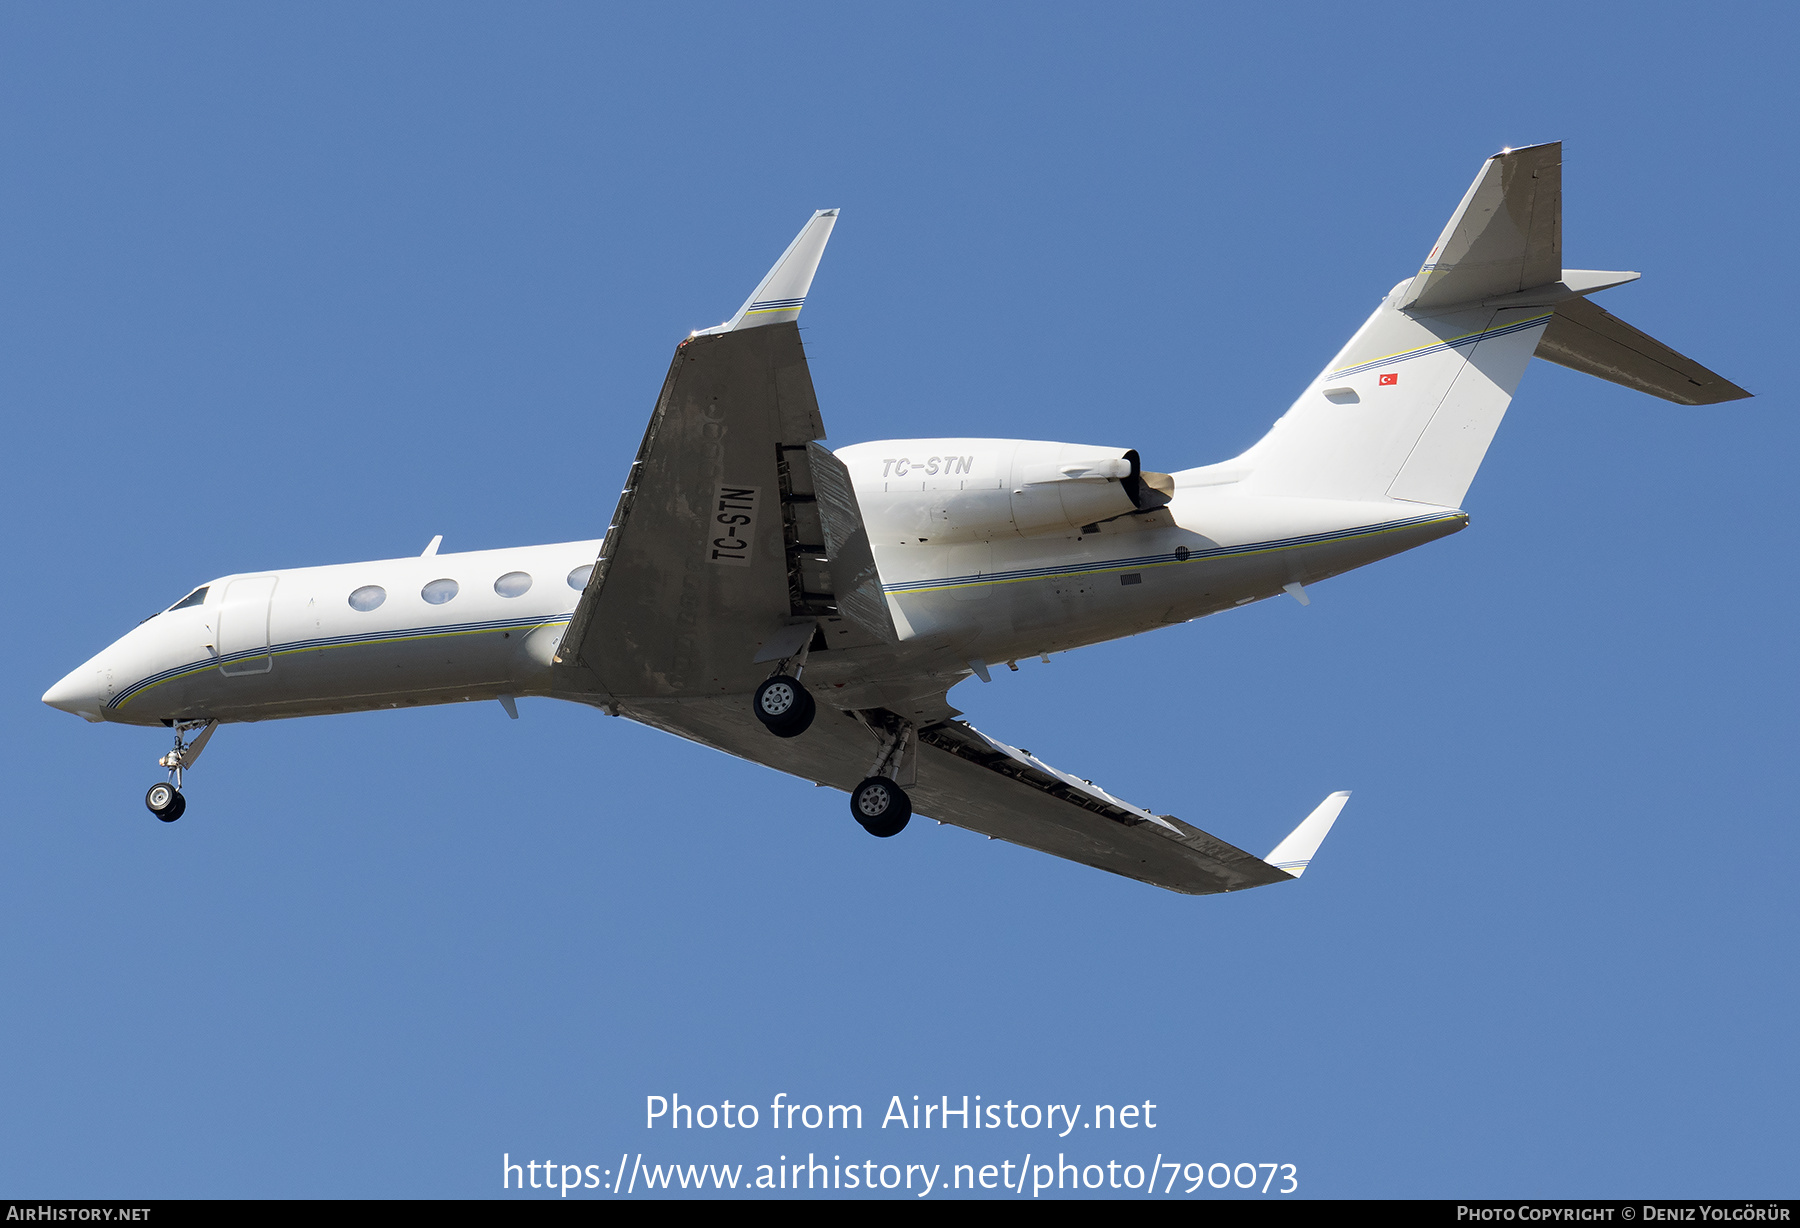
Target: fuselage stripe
<point>1159,560</point>
<point>330,641</point>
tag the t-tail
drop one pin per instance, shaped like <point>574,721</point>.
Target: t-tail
<point>1407,409</point>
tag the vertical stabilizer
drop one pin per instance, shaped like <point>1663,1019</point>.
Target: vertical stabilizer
<point>1504,237</point>
<point>1407,409</point>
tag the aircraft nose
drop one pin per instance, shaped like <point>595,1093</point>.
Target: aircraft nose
<point>79,693</point>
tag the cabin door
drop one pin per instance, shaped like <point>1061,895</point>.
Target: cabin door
<point>244,626</point>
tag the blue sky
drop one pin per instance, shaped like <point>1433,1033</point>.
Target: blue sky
<point>308,284</point>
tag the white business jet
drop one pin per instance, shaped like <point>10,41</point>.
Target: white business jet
<point>809,610</point>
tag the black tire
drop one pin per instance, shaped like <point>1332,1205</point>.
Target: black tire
<point>881,806</point>
<point>784,706</point>
<point>164,802</point>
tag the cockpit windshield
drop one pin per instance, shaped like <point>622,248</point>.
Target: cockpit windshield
<point>197,597</point>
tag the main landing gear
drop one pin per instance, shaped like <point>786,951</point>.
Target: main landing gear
<point>881,806</point>
<point>784,706</point>
<point>879,803</point>
<point>165,800</point>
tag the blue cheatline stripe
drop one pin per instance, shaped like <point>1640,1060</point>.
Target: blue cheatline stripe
<point>1168,557</point>
<point>777,304</point>
<point>331,641</point>
<point>1453,344</point>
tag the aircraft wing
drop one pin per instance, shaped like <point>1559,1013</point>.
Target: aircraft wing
<point>738,539</point>
<point>735,534</point>
<point>963,777</point>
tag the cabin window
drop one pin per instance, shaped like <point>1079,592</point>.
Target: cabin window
<point>197,597</point>
<point>367,597</point>
<point>578,579</point>
<point>439,591</point>
<point>513,584</point>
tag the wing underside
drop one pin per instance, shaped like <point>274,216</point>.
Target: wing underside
<point>963,777</point>
<point>721,547</point>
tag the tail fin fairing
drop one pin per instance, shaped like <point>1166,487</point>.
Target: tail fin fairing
<point>1369,427</point>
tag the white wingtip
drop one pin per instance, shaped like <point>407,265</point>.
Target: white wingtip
<point>781,294</point>
<point>1295,853</point>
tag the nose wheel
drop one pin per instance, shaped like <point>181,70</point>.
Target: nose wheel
<point>165,800</point>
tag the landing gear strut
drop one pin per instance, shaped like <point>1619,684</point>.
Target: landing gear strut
<point>879,803</point>
<point>784,706</point>
<point>165,800</point>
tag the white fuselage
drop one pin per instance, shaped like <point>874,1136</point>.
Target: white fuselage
<point>989,550</point>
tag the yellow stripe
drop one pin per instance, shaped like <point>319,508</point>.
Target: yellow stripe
<point>1480,332</point>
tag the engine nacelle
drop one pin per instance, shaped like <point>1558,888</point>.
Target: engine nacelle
<point>972,490</point>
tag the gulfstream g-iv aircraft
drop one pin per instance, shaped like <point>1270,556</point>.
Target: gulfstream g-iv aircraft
<point>810,609</point>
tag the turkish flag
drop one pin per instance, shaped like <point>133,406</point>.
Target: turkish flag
<point>1388,380</point>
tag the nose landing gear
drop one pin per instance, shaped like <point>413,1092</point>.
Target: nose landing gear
<point>165,800</point>
<point>165,803</point>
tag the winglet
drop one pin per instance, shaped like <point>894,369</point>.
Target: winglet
<point>780,295</point>
<point>1296,852</point>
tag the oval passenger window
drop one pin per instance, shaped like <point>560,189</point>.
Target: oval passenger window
<point>513,584</point>
<point>439,591</point>
<point>367,597</point>
<point>577,579</point>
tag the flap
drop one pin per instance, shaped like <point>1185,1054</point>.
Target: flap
<point>855,581</point>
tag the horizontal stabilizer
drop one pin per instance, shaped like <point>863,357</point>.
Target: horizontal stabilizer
<point>1587,338</point>
<point>780,295</point>
<point>1506,236</point>
<point>1296,852</point>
